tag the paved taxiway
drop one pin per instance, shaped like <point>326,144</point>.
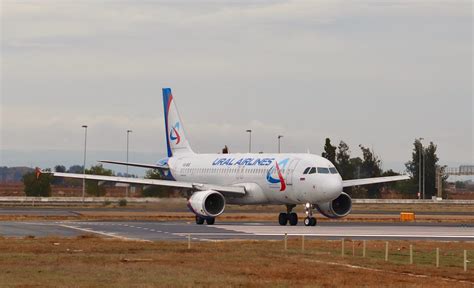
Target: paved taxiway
<point>179,230</point>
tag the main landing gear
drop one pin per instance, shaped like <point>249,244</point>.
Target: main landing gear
<point>201,220</point>
<point>289,217</point>
<point>309,220</point>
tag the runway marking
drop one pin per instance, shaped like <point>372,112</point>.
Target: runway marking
<point>104,233</point>
<point>329,235</point>
<point>37,223</point>
<point>391,272</point>
<point>221,234</point>
<point>409,233</point>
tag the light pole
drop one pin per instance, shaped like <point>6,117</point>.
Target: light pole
<point>84,163</point>
<point>128,138</point>
<point>250,140</point>
<point>424,174</point>
<point>419,168</point>
<point>279,144</point>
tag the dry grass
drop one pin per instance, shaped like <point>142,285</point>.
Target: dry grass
<point>88,261</point>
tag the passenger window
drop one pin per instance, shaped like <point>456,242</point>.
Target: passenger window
<point>323,170</point>
<point>312,171</point>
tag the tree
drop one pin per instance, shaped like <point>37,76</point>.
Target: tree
<point>429,161</point>
<point>76,169</point>
<point>92,186</point>
<point>431,164</point>
<point>60,168</point>
<point>460,185</point>
<point>389,173</point>
<point>371,168</point>
<point>152,190</point>
<point>329,151</point>
<point>413,167</point>
<point>356,164</point>
<point>58,180</point>
<point>37,186</point>
<point>343,161</point>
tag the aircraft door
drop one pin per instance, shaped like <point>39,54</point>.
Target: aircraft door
<point>289,171</point>
<point>240,173</point>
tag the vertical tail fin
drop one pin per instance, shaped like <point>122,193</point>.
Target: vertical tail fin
<point>176,140</point>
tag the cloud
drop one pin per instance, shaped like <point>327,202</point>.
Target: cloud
<point>359,71</point>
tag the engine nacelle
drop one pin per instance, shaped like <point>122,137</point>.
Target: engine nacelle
<point>207,203</point>
<point>337,208</point>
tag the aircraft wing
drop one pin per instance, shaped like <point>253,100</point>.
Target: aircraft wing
<point>367,181</point>
<point>151,166</point>
<point>229,190</point>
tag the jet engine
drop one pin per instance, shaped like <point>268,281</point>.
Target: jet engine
<point>207,203</point>
<point>337,208</point>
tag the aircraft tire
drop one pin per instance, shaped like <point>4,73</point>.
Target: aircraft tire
<point>293,219</point>
<point>210,221</point>
<point>307,221</point>
<point>283,219</point>
<point>313,221</point>
<point>199,220</point>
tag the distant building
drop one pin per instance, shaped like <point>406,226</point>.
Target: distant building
<point>466,169</point>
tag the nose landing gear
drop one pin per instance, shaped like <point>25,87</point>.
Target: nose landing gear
<point>290,216</point>
<point>309,220</point>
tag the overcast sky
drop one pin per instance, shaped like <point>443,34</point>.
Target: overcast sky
<point>377,73</point>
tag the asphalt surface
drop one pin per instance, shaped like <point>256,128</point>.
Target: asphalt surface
<point>179,230</point>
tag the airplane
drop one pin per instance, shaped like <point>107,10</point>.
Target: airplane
<point>211,181</point>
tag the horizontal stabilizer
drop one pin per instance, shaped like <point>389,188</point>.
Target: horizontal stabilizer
<point>368,181</point>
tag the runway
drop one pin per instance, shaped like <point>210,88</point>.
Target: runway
<point>180,230</point>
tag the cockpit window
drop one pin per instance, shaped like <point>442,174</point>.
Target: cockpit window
<point>323,170</point>
<point>306,170</point>
<point>333,170</point>
<point>313,170</point>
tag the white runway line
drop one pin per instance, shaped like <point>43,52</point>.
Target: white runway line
<point>355,231</point>
<point>37,223</point>
<point>104,233</point>
<point>391,272</point>
<point>329,235</point>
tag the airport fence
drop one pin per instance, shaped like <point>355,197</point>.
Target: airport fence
<point>399,253</point>
<point>436,254</point>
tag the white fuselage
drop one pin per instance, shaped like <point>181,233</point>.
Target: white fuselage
<point>267,178</point>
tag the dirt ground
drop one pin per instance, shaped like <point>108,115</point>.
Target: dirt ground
<point>88,261</point>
